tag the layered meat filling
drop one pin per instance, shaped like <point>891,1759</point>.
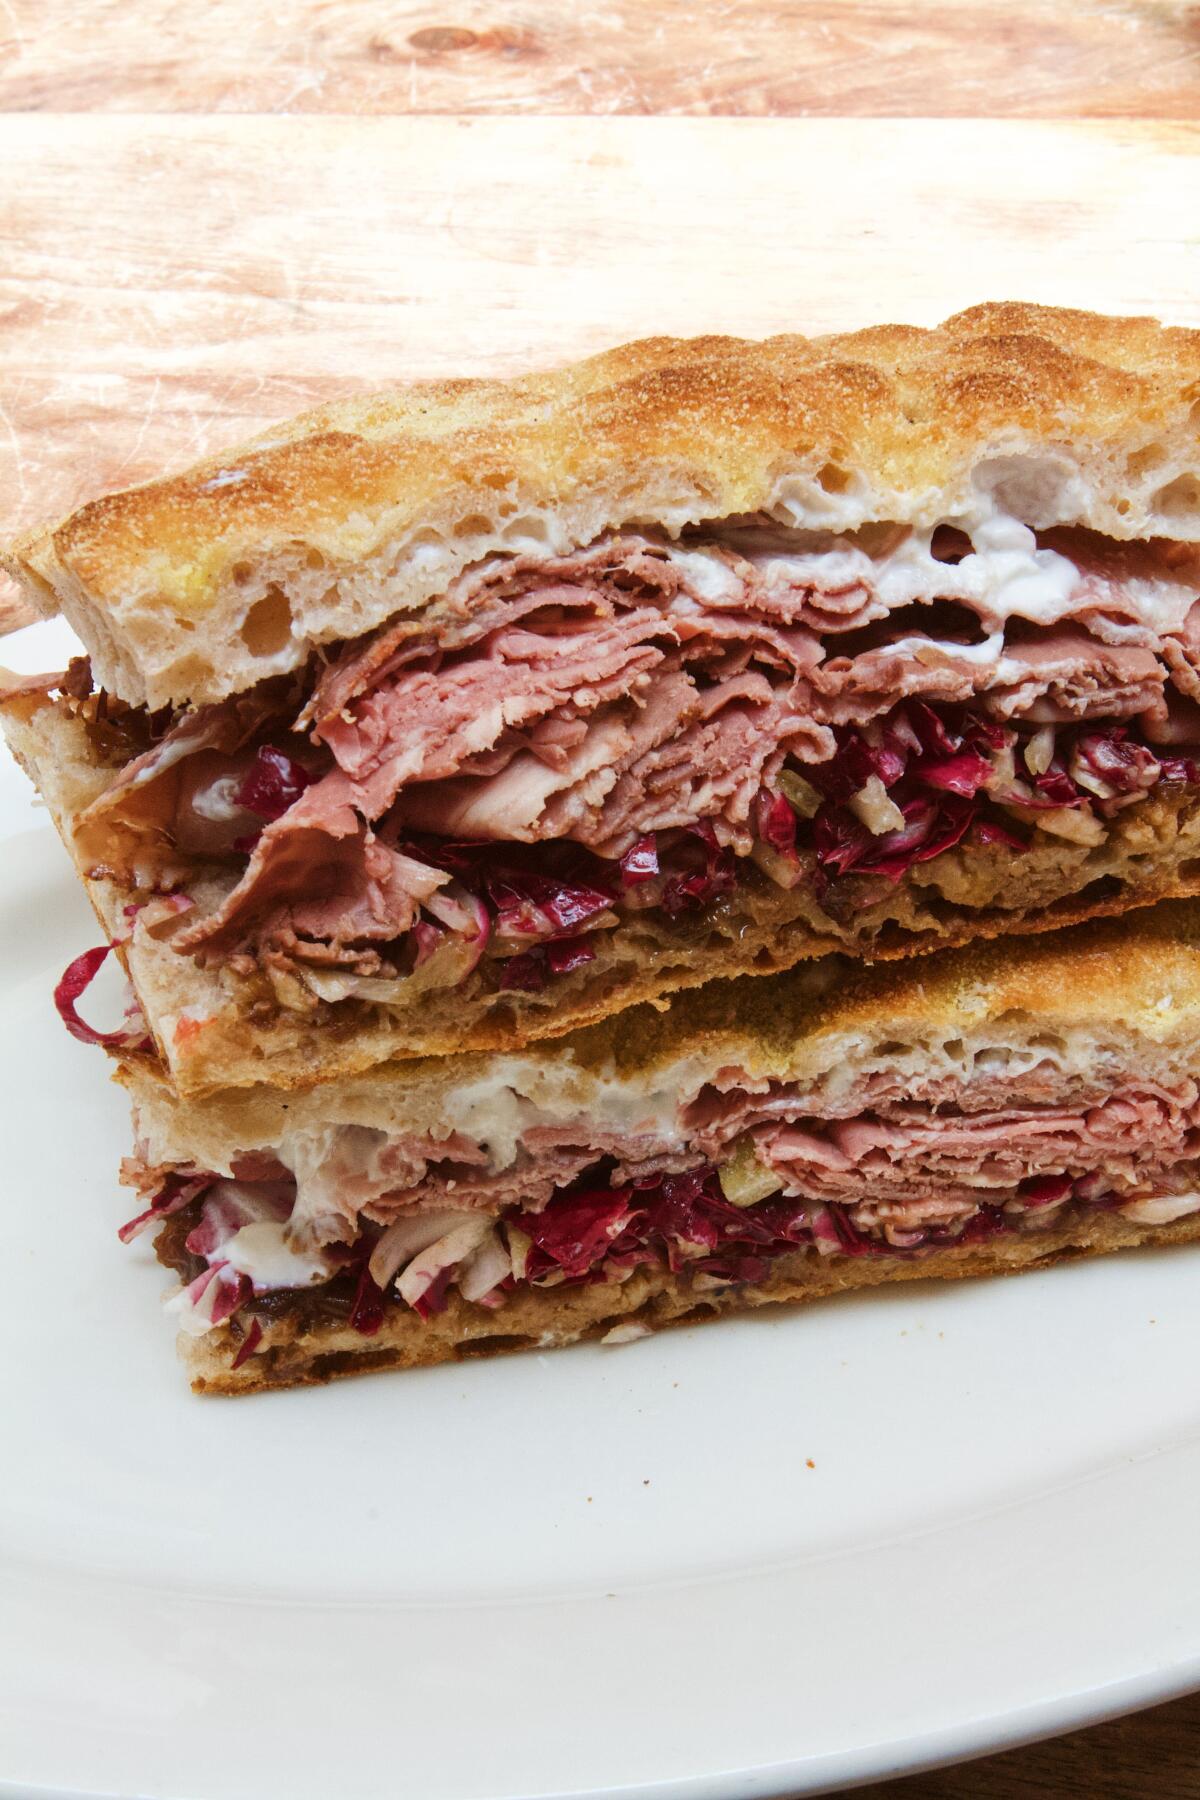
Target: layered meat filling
<point>349,1222</point>
<point>654,723</point>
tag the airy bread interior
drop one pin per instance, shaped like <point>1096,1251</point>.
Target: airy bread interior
<point>200,585</point>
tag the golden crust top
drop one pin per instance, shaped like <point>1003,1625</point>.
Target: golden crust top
<point>308,532</point>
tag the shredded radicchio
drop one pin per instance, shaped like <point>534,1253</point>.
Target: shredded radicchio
<point>712,875</point>
<point>550,916</point>
<point>176,1192</point>
<point>590,1232</point>
<point>366,1314</point>
<point>249,1344</point>
<point>955,775</point>
<point>529,971</point>
<point>640,861</point>
<point>74,982</point>
<point>943,777</point>
<point>686,1221</point>
<point>896,794</point>
<point>530,906</point>
<point>273,782</point>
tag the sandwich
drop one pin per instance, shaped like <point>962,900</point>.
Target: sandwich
<point>470,715</point>
<point>992,1109</point>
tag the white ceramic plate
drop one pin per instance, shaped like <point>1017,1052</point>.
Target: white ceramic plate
<point>770,1556</point>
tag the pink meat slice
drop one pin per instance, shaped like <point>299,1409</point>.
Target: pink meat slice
<point>1065,675</point>
<point>1183,655</point>
<point>495,593</point>
<point>528,1184</point>
<point>599,696</point>
<point>734,1103</point>
<point>711,766</point>
<point>425,723</point>
<point>908,1165</point>
<point>319,873</point>
<point>350,1178</point>
<point>143,796</point>
<point>909,1160</point>
<point>367,1175</point>
<point>424,726</point>
<point>512,801</point>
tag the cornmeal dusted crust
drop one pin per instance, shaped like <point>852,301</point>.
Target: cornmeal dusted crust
<point>547,1318</point>
<point>199,585</point>
<point>214,1029</point>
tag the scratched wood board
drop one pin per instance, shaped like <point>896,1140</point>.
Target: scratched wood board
<point>972,58</point>
<point>169,284</point>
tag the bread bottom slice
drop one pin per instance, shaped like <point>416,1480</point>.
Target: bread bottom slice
<point>295,1351</point>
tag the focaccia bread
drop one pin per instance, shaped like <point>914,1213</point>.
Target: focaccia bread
<point>470,715</point>
<point>324,528</point>
<point>983,1111</point>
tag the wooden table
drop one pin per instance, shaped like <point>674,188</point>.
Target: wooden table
<point>214,214</point>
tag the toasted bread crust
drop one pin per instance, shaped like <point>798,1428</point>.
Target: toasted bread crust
<point>196,586</point>
<point>213,1031</point>
<point>548,1318</point>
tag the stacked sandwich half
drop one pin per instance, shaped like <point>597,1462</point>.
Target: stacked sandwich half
<point>537,819</point>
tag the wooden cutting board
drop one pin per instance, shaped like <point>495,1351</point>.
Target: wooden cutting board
<point>971,59</point>
<point>171,283</point>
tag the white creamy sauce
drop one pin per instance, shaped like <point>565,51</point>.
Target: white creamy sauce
<point>164,757</point>
<point>1011,576</point>
<point>321,1158</point>
<point>935,650</point>
<point>493,1111</point>
<point>429,556</point>
<point>1161,605</point>
<point>262,1252</point>
<point>191,1316</point>
<point>709,575</point>
<point>216,801</point>
<point>1004,576</point>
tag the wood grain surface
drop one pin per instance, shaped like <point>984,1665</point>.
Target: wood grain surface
<point>170,282</point>
<point>974,59</point>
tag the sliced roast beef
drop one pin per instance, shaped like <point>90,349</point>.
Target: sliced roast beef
<point>736,1181</point>
<point>318,872</point>
<point>910,1160</point>
<point>150,805</point>
<point>641,687</point>
<point>1064,675</point>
